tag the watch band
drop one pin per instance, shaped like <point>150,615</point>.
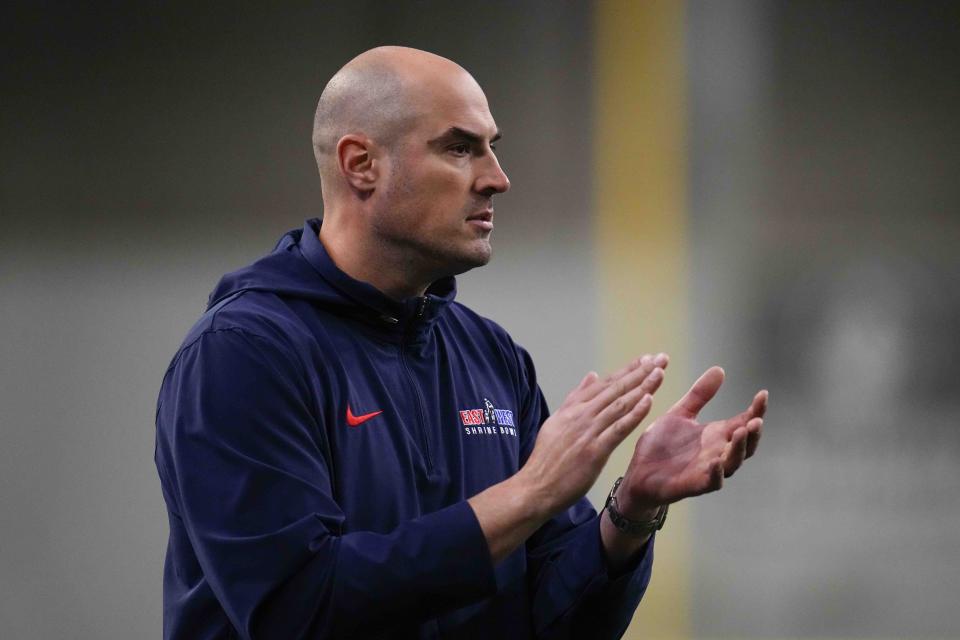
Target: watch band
<point>630,527</point>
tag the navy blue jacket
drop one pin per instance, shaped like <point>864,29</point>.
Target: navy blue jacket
<point>316,444</point>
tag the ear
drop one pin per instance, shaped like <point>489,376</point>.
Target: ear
<point>355,157</point>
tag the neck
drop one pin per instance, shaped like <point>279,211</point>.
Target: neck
<point>365,259</point>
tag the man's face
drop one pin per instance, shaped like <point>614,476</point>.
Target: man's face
<point>436,198</point>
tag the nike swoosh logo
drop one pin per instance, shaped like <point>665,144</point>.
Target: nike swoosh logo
<point>355,421</point>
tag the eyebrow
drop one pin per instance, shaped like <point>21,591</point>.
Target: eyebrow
<point>458,133</point>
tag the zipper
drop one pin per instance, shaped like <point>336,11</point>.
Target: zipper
<point>418,397</point>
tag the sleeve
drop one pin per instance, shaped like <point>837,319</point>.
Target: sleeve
<point>245,467</point>
<point>573,594</point>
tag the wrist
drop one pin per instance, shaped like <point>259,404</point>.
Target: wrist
<point>533,500</point>
<point>637,521</point>
<point>508,513</point>
<point>634,508</point>
<point>620,549</point>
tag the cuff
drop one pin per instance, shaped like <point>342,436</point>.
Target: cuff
<point>434,563</point>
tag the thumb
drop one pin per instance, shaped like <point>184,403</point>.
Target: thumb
<point>699,394</point>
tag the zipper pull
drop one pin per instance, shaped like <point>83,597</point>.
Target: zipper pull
<point>421,307</point>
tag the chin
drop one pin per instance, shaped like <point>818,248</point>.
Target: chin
<point>483,253</point>
<point>478,256</point>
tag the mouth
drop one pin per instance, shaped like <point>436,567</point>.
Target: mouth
<point>486,215</point>
<point>482,219</point>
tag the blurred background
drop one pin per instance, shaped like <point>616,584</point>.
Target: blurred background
<point>771,186</point>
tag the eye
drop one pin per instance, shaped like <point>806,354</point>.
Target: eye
<point>460,149</point>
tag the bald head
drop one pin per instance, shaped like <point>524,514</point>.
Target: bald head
<point>380,94</point>
<point>404,141</point>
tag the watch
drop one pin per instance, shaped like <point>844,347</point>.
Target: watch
<point>630,527</point>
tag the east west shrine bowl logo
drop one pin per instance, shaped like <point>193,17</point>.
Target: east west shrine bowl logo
<point>488,421</point>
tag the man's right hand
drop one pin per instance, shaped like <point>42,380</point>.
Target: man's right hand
<point>571,449</point>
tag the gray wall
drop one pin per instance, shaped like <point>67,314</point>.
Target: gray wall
<point>146,151</point>
<point>825,221</point>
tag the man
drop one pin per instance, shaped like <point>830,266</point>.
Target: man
<point>347,452</point>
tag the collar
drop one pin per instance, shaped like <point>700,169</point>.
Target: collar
<point>411,318</point>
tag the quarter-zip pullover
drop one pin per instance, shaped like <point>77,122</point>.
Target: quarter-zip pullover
<point>316,445</point>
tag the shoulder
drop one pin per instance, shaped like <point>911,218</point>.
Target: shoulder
<point>256,317</point>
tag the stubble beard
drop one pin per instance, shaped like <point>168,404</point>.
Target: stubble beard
<point>438,257</point>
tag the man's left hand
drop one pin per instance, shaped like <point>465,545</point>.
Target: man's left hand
<point>678,457</point>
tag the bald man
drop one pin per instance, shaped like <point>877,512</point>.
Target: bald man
<point>347,452</point>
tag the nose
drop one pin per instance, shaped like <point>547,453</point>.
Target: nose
<point>492,179</point>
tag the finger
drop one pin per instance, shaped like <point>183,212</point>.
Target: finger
<point>653,381</point>
<point>758,407</point>
<point>735,452</point>
<point>759,404</point>
<point>587,380</point>
<point>620,406</point>
<point>630,366</point>
<point>754,431</point>
<point>621,386</point>
<point>714,476</point>
<point>646,360</point>
<point>600,384</point>
<point>699,394</point>
<point>612,436</point>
